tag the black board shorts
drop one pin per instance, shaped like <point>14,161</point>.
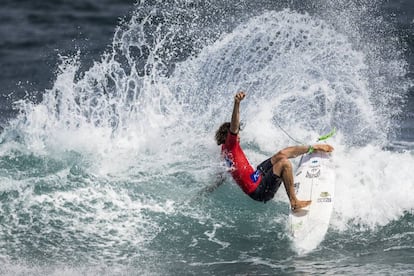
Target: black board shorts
<point>269,184</point>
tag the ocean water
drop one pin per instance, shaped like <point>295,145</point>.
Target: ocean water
<point>109,111</point>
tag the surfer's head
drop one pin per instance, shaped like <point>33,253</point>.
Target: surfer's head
<point>221,133</point>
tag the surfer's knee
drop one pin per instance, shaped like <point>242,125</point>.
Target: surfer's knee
<point>286,164</point>
<point>281,164</point>
<point>280,156</point>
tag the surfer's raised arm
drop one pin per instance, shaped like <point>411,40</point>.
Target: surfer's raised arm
<point>235,117</point>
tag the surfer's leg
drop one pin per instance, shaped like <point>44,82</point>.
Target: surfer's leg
<point>283,168</point>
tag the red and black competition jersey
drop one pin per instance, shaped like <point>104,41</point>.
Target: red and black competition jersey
<point>240,168</point>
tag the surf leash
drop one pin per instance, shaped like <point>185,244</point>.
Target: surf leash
<point>288,135</point>
<point>321,138</point>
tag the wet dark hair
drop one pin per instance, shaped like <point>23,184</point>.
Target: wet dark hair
<point>221,133</point>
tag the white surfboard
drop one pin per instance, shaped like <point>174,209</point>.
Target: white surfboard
<point>314,180</point>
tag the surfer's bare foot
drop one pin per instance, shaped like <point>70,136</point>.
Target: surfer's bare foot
<point>299,204</point>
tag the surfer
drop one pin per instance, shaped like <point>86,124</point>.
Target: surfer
<point>260,184</point>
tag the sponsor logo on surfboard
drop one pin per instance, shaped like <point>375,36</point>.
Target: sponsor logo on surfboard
<point>297,226</point>
<point>296,185</point>
<point>324,199</point>
<point>313,173</point>
<point>324,194</point>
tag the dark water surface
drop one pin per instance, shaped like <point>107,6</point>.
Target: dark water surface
<point>34,33</point>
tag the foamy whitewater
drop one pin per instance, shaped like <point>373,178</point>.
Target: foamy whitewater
<point>105,175</point>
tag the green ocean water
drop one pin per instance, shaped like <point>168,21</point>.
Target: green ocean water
<point>57,218</point>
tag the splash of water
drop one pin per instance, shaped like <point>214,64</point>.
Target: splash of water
<point>143,117</point>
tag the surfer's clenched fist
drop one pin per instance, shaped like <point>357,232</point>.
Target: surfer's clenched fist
<point>323,147</point>
<point>239,96</point>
